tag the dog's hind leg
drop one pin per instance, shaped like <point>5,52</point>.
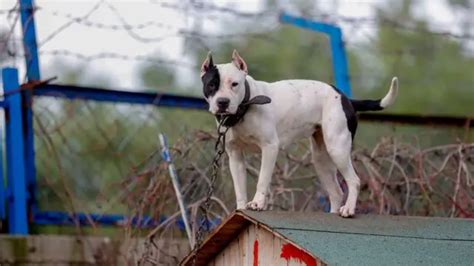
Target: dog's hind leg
<point>338,140</point>
<point>326,170</point>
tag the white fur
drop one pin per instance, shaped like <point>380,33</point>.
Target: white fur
<point>389,99</point>
<point>229,74</point>
<point>298,109</point>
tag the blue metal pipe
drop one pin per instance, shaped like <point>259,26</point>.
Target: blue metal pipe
<point>29,39</point>
<point>117,96</point>
<point>17,207</point>
<point>27,10</point>
<point>339,59</point>
<point>63,218</point>
<point>3,195</point>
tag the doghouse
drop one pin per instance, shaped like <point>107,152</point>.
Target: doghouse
<point>297,238</point>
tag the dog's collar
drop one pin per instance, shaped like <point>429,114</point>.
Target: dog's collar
<point>233,119</point>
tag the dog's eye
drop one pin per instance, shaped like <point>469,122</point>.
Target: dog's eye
<point>234,84</point>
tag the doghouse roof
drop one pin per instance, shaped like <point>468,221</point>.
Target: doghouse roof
<point>363,240</point>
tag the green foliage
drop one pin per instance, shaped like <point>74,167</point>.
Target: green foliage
<point>436,73</point>
<point>160,77</point>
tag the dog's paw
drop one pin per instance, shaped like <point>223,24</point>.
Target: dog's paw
<point>347,211</point>
<point>255,206</point>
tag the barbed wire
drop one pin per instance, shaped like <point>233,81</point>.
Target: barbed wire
<point>386,22</point>
<point>69,23</point>
<point>100,25</point>
<point>202,6</point>
<point>183,32</point>
<point>195,35</point>
<point>112,55</point>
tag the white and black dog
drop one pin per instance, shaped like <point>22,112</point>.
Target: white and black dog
<point>267,116</point>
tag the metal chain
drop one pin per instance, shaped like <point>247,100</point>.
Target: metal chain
<point>219,149</point>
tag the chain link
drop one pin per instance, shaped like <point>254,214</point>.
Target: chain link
<point>219,149</point>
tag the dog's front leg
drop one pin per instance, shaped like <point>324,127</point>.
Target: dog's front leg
<point>239,175</point>
<point>269,156</point>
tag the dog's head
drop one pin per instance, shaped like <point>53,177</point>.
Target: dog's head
<point>224,84</point>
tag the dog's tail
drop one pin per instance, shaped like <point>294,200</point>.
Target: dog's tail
<point>376,105</point>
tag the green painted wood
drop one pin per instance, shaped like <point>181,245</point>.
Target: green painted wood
<point>375,239</point>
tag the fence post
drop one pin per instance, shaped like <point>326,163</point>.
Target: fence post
<point>27,10</point>
<point>17,212</point>
<point>3,197</point>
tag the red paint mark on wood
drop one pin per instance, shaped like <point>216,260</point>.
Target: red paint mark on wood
<point>288,251</point>
<point>255,253</point>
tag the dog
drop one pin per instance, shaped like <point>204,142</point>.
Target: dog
<point>265,117</point>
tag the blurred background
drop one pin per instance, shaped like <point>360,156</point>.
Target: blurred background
<point>105,157</point>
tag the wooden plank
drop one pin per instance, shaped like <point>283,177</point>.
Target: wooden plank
<point>238,255</point>
<point>251,237</point>
<point>265,245</point>
<point>219,238</point>
<point>234,257</point>
<point>243,239</point>
<point>276,251</point>
<point>228,254</point>
<point>219,260</point>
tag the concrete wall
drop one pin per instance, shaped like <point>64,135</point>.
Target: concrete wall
<point>90,250</point>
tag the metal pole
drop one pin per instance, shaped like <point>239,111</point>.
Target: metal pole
<point>17,212</point>
<point>2,180</point>
<point>27,9</point>
<point>339,62</point>
<point>339,59</point>
<point>174,179</point>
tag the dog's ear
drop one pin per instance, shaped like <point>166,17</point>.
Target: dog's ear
<point>239,61</point>
<point>207,64</point>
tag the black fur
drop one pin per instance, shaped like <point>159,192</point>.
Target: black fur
<point>210,80</point>
<point>350,113</point>
<point>366,105</point>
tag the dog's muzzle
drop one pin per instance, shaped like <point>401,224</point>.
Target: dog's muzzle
<point>233,119</point>
<point>222,104</point>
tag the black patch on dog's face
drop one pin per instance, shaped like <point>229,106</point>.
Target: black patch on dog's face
<point>349,112</point>
<point>210,81</point>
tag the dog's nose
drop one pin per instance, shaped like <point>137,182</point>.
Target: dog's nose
<point>222,103</point>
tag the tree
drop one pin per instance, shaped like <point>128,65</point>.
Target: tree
<point>436,72</point>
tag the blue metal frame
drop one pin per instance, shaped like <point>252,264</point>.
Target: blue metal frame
<point>117,96</point>
<point>339,64</point>
<point>62,218</point>
<point>29,39</point>
<point>17,207</point>
<point>21,171</point>
<point>3,192</point>
<point>27,9</point>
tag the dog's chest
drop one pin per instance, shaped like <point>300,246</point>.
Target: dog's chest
<point>244,140</point>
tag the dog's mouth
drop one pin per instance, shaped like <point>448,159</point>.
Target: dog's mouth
<point>223,112</point>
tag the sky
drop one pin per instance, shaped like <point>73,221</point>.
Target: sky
<point>158,37</point>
